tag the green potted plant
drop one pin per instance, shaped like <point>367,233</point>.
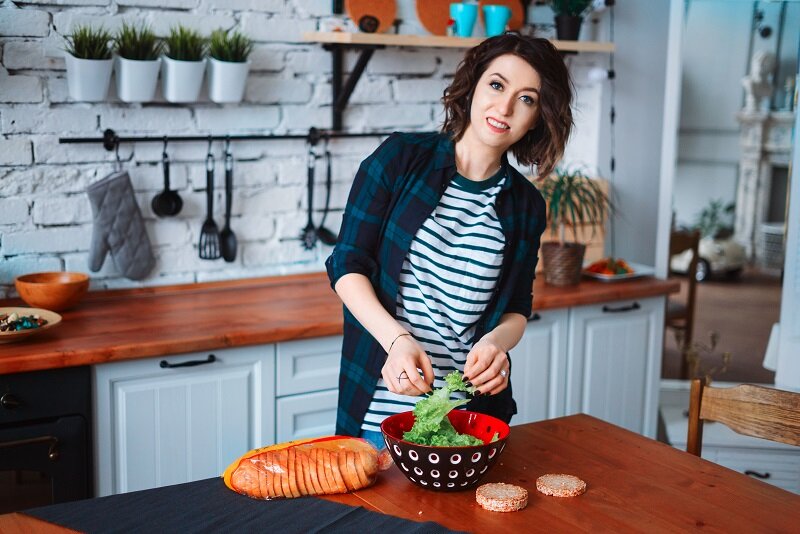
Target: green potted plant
<point>184,64</point>
<point>228,65</point>
<point>89,63</point>
<point>569,16</point>
<point>138,50</point>
<point>575,201</point>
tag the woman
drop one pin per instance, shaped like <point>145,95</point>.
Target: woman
<point>438,246</point>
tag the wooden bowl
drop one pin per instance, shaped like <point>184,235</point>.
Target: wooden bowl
<point>52,291</point>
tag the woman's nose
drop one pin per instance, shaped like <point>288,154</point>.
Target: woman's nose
<point>506,105</point>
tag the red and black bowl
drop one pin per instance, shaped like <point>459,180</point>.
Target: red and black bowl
<point>446,468</point>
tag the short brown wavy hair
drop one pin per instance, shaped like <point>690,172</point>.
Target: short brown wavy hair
<point>542,146</point>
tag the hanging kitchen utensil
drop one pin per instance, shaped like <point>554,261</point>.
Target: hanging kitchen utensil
<point>167,203</point>
<point>308,236</point>
<point>327,236</point>
<point>209,234</point>
<point>227,237</point>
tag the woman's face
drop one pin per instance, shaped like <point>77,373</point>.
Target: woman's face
<point>505,104</point>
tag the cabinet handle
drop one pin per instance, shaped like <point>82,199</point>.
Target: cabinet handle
<point>535,317</point>
<point>9,401</point>
<point>52,452</point>
<point>756,474</point>
<point>609,309</point>
<point>191,363</point>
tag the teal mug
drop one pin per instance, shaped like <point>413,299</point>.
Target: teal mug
<point>465,16</point>
<point>496,18</point>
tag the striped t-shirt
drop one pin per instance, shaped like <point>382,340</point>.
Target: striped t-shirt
<point>447,280</point>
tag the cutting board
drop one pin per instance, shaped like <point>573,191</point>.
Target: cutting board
<point>383,10</point>
<point>434,15</point>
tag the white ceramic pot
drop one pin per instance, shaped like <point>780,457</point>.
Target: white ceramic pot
<point>88,79</point>
<point>226,80</point>
<point>182,80</point>
<point>136,79</point>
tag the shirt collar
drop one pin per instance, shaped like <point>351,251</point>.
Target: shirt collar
<point>446,157</point>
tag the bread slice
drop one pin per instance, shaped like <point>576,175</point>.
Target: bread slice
<point>500,497</point>
<point>560,485</point>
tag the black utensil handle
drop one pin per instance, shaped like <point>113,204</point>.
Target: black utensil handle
<point>621,309</point>
<point>310,186</point>
<point>328,185</point>
<point>228,187</point>
<point>164,364</point>
<point>210,184</point>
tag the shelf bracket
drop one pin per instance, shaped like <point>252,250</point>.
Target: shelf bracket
<point>343,90</point>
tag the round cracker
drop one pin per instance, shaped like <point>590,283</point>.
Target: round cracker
<point>560,485</point>
<point>500,497</point>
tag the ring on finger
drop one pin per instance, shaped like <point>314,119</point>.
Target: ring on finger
<point>503,373</point>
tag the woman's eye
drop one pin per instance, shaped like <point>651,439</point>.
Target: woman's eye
<point>496,85</point>
<point>528,100</point>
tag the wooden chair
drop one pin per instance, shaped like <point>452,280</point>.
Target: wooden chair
<point>680,314</point>
<point>751,410</point>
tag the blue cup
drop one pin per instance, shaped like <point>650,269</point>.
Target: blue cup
<point>465,16</point>
<point>496,18</point>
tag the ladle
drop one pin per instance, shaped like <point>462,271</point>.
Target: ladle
<point>326,236</point>
<point>227,239</point>
<point>167,203</point>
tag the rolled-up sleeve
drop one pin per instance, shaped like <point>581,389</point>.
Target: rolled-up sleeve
<point>522,299</point>
<point>364,215</point>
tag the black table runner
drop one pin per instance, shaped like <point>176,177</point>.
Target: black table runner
<point>209,506</point>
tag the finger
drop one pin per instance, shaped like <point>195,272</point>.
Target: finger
<point>494,386</point>
<point>491,371</point>
<point>469,365</point>
<point>390,379</point>
<point>415,385</point>
<point>427,371</point>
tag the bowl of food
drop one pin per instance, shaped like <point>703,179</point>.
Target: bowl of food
<point>54,291</point>
<point>447,468</point>
<point>19,323</point>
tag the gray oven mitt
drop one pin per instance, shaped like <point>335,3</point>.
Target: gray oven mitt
<point>118,226</point>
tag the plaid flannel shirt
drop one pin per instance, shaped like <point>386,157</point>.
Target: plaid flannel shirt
<point>394,191</point>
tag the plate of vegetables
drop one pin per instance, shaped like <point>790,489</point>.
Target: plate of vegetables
<point>17,323</point>
<point>613,269</point>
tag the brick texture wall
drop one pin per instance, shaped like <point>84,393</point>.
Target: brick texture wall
<point>45,217</point>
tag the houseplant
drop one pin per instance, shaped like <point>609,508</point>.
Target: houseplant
<point>228,65</point>
<point>138,50</point>
<point>89,63</point>
<point>575,201</point>
<point>184,64</point>
<point>569,16</point>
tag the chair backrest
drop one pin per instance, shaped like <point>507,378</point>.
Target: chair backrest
<point>756,411</point>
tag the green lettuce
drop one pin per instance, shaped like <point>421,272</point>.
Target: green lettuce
<point>431,425</point>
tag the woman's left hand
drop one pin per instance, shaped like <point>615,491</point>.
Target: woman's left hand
<point>487,366</point>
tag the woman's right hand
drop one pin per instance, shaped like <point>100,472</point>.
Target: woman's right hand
<point>401,370</point>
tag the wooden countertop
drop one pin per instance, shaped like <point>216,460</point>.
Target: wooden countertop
<point>155,321</point>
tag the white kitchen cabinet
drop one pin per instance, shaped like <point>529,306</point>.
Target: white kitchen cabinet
<point>157,425</point>
<point>539,367</point>
<point>614,362</point>
<point>307,382</point>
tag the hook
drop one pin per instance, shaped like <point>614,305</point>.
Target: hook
<point>118,163</point>
<point>164,155</point>
<point>228,154</point>
<point>210,155</point>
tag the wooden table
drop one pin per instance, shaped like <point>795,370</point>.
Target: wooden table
<point>634,484</point>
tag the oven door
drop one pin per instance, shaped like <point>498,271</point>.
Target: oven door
<point>43,463</point>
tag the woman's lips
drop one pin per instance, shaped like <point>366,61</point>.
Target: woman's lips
<point>495,129</point>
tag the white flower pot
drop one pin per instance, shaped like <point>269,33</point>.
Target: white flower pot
<point>88,79</point>
<point>226,80</point>
<point>182,80</point>
<point>136,79</point>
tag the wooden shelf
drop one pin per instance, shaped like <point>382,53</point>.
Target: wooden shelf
<point>435,41</point>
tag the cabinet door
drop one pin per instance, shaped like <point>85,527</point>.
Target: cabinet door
<point>159,425</point>
<point>306,416</point>
<point>308,365</point>
<point>614,362</point>
<point>538,367</point>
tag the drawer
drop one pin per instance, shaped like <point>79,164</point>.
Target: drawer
<point>308,365</point>
<point>44,394</point>
<point>306,416</point>
<point>779,468</point>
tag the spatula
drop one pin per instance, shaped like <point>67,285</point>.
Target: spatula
<point>227,237</point>
<point>209,233</point>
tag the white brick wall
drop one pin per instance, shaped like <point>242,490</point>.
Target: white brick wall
<point>45,216</point>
